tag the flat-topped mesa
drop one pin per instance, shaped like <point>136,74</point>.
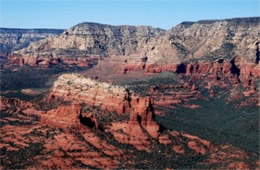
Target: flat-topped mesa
<point>76,88</point>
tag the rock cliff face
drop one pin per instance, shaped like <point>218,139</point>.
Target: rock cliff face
<point>88,40</point>
<point>63,116</point>
<point>73,87</point>
<point>16,39</point>
<point>98,39</point>
<point>187,42</point>
<point>206,40</point>
<point>237,68</point>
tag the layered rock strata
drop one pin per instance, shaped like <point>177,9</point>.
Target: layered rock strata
<point>206,40</point>
<point>187,42</point>
<point>87,41</point>
<point>73,87</point>
<point>237,69</point>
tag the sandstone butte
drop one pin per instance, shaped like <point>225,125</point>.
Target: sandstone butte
<point>78,89</point>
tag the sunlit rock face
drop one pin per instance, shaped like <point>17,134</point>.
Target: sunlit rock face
<point>88,41</point>
<point>186,42</point>
<point>74,87</point>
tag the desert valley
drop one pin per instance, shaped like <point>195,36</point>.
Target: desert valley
<point>104,96</point>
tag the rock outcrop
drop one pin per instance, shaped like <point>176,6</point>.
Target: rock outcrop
<point>74,87</point>
<point>236,69</point>
<point>13,103</point>
<point>140,127</point>
<point>69,116</point>
<point>143,114</point>
<point>63,116</point>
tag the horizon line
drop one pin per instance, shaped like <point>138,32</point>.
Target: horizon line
<point>93,22</point>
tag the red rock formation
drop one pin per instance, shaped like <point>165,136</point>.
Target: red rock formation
<point>154,68</point>
<point>133,67</point>
<point>64,148</point>
<point>69,116</point>
<point>13,102</point>
<point>80,61</point>
<point>63,116</point>
<point>141,120</point>
<point>47,61</point>
<point>164,139</point>
<point>57,143</point>
<point>130,133</point>
<point>143,114</point>
<point>73,87</point>
<point>236,70</point>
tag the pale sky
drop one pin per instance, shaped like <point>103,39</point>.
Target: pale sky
<point>157,13</point>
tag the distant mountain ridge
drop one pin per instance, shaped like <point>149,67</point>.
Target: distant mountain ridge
<point>188,41</point>
<point>249,20</point>
<point>96,39</point>
<point>12,39</point>
<point>207,40</point>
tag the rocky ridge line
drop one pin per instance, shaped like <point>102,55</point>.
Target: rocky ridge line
<point>12,39</point>
<point>202,40</point>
